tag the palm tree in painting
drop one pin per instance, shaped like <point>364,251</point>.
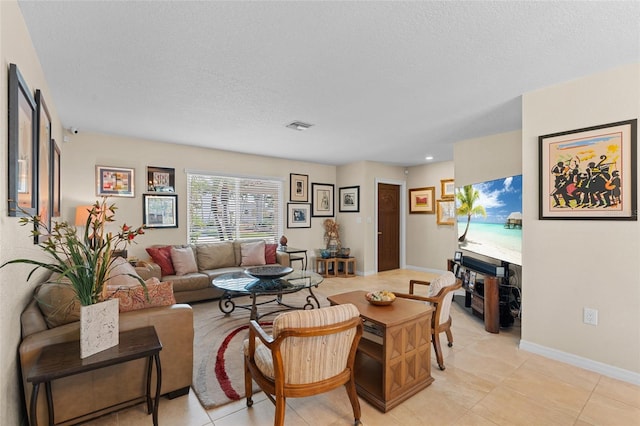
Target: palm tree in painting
<point>467,200</point>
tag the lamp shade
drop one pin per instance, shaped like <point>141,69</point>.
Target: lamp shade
<point>82,214</point>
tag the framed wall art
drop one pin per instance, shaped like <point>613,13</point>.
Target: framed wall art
<point>22,195</point>
<point>421,200</point>
<point>349,197</point>
<point>160,211</point>
<point>447,188</point>
<point>44,170</point>
<point>446,212</point>
<point>114,181</point>
<point>589,173</point>
<point>298,215</point>
<point>161,179</point>
<point>322,199</point>
<point>299,187</point>
<point>55,175</point>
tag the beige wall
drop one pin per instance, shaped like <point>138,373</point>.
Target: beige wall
<point>429,245</point>
<point>572,264</point>
<point>15,241</point>
<point>86,150</point>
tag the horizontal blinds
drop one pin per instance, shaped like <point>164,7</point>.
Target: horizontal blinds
<point>226,208</point>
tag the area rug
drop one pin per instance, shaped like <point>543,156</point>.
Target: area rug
<point>218,372</point>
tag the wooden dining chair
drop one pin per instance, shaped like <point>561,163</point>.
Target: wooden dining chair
<point>309,352</point>
<point>440,297</point>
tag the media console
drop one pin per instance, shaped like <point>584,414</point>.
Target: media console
<point>482,295</point>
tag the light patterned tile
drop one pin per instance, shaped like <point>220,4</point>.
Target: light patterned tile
<point>504,406</point>
<point>619,390</point>
<point>603,411</point>
<point>472,419</point>
<point>570,374</point>
<point>548,390</point>
<point>260,414</point>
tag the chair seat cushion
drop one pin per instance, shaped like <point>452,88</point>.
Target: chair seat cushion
<point>262,357</point>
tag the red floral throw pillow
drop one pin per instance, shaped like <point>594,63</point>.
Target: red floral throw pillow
<point>133,298</point>
<point>270,253</point>
<point>162,256</point>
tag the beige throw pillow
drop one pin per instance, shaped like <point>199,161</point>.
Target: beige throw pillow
<point>216,255</point>
<point>184,262</point>
<point>252,254</point>
<point>57,302</point>
<point>120,275</point>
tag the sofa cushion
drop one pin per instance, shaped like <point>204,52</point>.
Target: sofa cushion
<point>184,261</point>
<point>58,302</point>
<point>134,298</point>
<point>216,255</point>
<point>270,254</point>
<point>121,274</point>
<point>188,282</point>
<point>162,257</point>
<point>252,253</point>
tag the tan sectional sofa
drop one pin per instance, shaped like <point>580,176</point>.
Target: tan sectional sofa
<point>212,260</point>
<point>110,387</point>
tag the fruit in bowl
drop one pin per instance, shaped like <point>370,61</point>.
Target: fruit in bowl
<point>381,297</point>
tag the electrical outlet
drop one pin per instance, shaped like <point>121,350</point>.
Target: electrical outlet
<point>590,316</point>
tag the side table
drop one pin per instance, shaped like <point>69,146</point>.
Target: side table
<point>346,263</point>
<point>296,251</point>
<point>63,360</point>
<point>322,266</point>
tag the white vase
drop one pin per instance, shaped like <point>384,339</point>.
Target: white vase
<point>99,327</point>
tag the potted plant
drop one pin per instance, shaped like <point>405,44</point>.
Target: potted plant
<point>85,261</point>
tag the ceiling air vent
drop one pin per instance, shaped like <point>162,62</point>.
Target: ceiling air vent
<point>299,125</point>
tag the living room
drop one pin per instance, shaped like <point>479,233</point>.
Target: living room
<point>559,278</point>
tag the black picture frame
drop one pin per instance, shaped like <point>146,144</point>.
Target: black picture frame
<point>160,211</point>
<point>589,173</point>
<point>44,170</point>
<point>298,215</point>
<point>161,179</point>
<point>115,181</point>
<point>323,200</point>
<point>349,199</point>
<point>457,256</point>
<point>23,161</point>
<point>298,188</point>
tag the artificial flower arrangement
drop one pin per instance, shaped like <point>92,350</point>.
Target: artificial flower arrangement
<point>85,261</point>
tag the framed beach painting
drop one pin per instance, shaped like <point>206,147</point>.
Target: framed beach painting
<point>421,200</point>
<point>589,173</point>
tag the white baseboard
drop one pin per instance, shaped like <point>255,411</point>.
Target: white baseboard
<point>578,361</point>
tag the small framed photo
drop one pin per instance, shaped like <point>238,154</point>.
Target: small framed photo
<point>161,179</point>
<point>298,215</point>
<point>472,279</point>
<point>349,199</point>
<point>457,256</point>
<point>322,199</point>
<point>114,181</point>
<point>299,187</point>
<point>446,212</point>
<point>421,200</point>
<point>447,188</point>
<point>160,211</point>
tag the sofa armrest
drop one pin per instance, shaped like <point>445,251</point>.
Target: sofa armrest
<point>283,259</point>
<point>113,385</point>
<point>147,269</point>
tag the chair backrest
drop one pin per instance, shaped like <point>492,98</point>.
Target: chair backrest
<point>319,355</point>
<point>437,285</point>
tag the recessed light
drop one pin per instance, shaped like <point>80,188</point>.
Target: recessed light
<point>299,125</point>
<point>429,157</point>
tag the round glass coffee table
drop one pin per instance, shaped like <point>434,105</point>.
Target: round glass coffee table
<point>238,284</point>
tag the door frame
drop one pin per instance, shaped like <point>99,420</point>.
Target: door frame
<point>403,218</point>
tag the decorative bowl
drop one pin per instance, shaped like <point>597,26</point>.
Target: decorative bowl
<point>324,253</point>
<point>380,298</point>
<point>269,272</point>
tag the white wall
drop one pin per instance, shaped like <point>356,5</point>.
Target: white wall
<point>15,240</point>
<point>572,264</point>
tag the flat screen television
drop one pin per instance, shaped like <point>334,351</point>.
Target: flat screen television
<point>489,218</point>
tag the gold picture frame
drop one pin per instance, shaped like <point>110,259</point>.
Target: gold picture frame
<point>421,200</point>
<point>447,189</point>
<point>446,212</point>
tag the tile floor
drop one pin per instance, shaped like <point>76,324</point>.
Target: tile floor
<point>487,381</point>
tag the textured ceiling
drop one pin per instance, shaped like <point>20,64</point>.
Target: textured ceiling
<point>381,81</point>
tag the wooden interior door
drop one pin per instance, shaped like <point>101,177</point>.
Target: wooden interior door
<point>388,227</point>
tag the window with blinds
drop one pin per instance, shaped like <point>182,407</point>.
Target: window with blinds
<point>226,208</point>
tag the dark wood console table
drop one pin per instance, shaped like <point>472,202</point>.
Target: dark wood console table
<point>63,360</point>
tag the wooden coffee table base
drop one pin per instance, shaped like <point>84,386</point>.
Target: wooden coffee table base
<point>393,361</point>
